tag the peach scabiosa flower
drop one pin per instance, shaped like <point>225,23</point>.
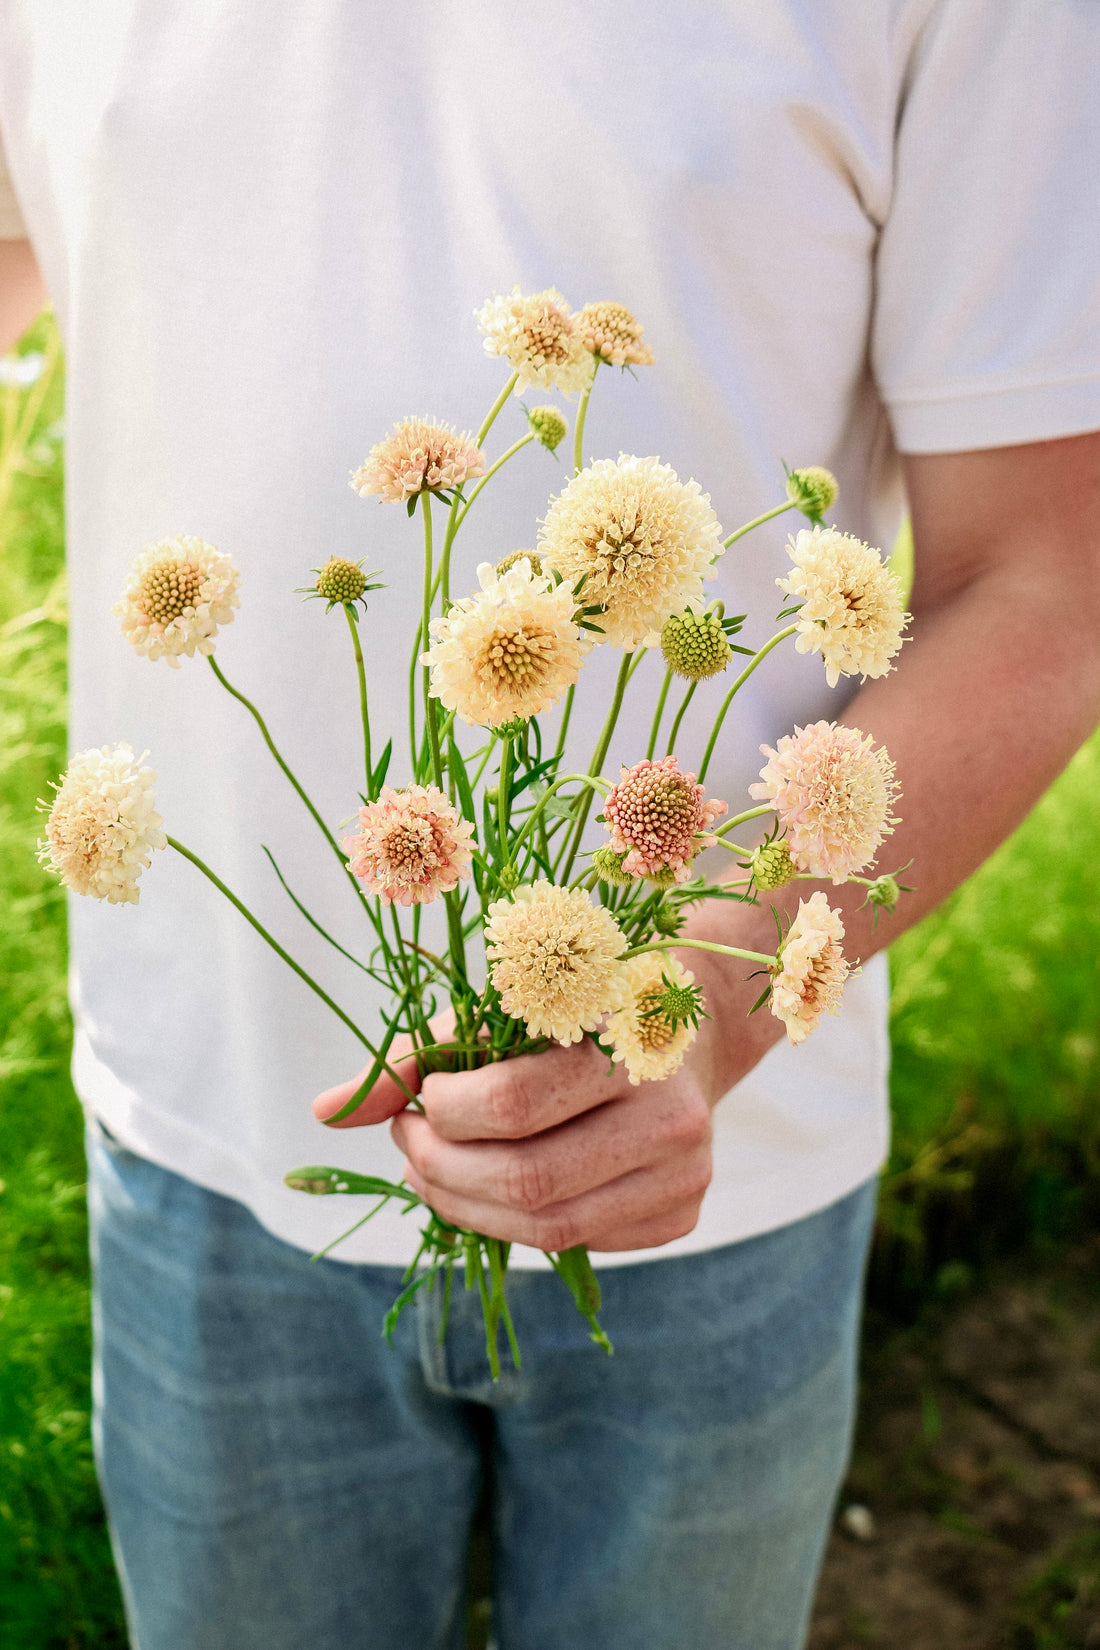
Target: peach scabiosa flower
<point>832,791</point>
<point>508,652</point>
<point>411,846</point>
<point>660,1020</point>
<point>612,334</point>
<point>180,591</point>
<point>555,960</point>
<point>103,826</point>
<point>540,339</point>
<point>852,612</point>
<point>656,816</point>
<point>809,973</point>
<point>642,540</point>
<point>417,457</point>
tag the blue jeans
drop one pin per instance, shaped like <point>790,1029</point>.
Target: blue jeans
<point>277,1477</point>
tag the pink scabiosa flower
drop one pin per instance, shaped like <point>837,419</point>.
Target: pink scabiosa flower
<point>809,972</point>
<point>103,827</point>
<point>852,612</point>
<point>651,1033</point>
<point>510,651</point>
<point>411,846</point>
<point>832,791</point>
<point>180,591</point>
<point>555,960</point>
<point>656,816</point>
<point>642,540</point>
<point>417,457</point>
<point>611,333</point>
<point>540,339</point>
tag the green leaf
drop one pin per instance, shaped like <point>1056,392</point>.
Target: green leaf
<point>322,1181</point>
<point>382,767</point>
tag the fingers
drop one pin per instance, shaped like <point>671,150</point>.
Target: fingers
<point>520,1097</point>
<point>384,1098</point>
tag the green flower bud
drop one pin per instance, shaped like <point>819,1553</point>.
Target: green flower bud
<point>884,891</point>
<point>608,866</point>
<point>771,866</point>
<point>813,489</point>
<point>340,580</point>
<point>676,1004</point>
<point>549,426</point>
<point>506,562</point>
<point>509,878</point>
<point>668,919</point>
<point>694,645</point>
<point>511,730</point>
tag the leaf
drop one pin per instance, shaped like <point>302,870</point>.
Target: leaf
<point>382,767</point>
<point>321,1181</point>
<point>457,769</point>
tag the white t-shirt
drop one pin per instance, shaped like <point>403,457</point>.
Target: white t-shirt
<point>846,228</point>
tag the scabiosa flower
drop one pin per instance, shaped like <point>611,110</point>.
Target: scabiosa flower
<point>695,645</point>
<point>411,845</point>
<point>508,652</point>
<point>549,426</point>
<point>418,457</point>
<point>555,960</point>
<point>514,558</point>
<point>540,339</point>
<point>180,591</point>
<point>103,826</point>
<point>611,333</point>
<point>651,1033</point>
<point>809,972</point>
<point>853,613</point>
<point>642,540</point>
<point>832,791</point>
<point>656,815</point>
<point>813,489</point>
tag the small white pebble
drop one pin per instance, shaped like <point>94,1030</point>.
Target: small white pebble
<point>859,1522</point>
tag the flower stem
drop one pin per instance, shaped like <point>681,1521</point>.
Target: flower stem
<point>582,413</point>
<point>657,715</point>
<point>679,718</point>
<point>569,852</point>
<point>429,702</point>
<point>363,713</point>
<point>758,521</point>
<point>563,728</point>
<point>487,477</point>
<point>490,417</point>
<point>781,636</point>
<point>696,945</point>
<point>739,819</point>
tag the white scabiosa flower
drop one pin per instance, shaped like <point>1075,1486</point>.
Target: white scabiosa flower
<point>554,959</point>
<point>540,339</point>
<point>642,540</point>
<point>809,972</point>
<point>852,612</point>
<point>660,1020</point>
<point>180,591</point>
<point>508,652</point>
<point>103,826</point>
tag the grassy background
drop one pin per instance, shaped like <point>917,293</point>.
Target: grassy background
<point>996,1057</point>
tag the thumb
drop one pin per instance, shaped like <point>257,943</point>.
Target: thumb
<point>383,1099</point>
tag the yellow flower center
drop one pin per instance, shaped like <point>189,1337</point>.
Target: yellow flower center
<point>516,659</point>
<point>168,589</point>
<point>655,1031</point>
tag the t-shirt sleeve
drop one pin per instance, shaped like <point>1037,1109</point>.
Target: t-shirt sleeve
<point>12,227</point>
<point>986,329</point>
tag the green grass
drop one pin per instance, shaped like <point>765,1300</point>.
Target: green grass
<point>996,1035</point>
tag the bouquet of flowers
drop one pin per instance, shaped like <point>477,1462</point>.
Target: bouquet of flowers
<point>577,941</point>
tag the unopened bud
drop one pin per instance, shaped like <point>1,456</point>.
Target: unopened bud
<point>885,892</point>
<point>813,489</point>
<point>509,878</point>
<point>549,426</point>
<point>517,556</point>
<point>694,645</point>
<point>340,580</point>
<point>608,866</point>
<point>668,918</point>
<point>771,866</point>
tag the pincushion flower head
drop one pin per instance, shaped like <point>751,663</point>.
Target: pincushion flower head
<point>642,540</point>
<point>554,959</point>
<point>540,339</point>
<point>832,791</point>
<point>612,334</point>
<point>650,1034</point>
<point>656,816</point>
<point>180,591</point>
<point>809,973</point>
<point>508,652</point>
<point>417,457</point>
<point>853,613</point>
<point>103,826</point>
<point>411,845</point>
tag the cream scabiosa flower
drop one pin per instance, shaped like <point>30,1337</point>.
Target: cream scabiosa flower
<point>611,333</point>
<point>540,339</point>
<point>103,826</point>
<point>180,591</point>
<point>642,1035</point>
<point>555,960</point>
<point>809,973</point>
<point>509,651</point>
<point>656,816</point>
<point>642,539</point>
<point>852,614</point>
<point>832,792</point>
<point>417,457</point>
<point>411,845</point>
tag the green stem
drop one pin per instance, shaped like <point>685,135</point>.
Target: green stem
<point>490,417</point>
<point>679,718</point>
<point>739,819</point>
<point>488,476</point>
<point>429,702</point>
<point>781,636</point>
<point>657,715</point>
<point>758,521</point>
<point>593,782</point>
<point>569,852</point>
<point>504,786</point>
<point>696,945</point>
<point>582,413</point>
<point>564,727</point>
<point>363,713</point>
<point>287,958</point>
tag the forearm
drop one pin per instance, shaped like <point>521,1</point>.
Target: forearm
<point>22,293</point>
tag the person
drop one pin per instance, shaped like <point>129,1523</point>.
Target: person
<point>854,238</point>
